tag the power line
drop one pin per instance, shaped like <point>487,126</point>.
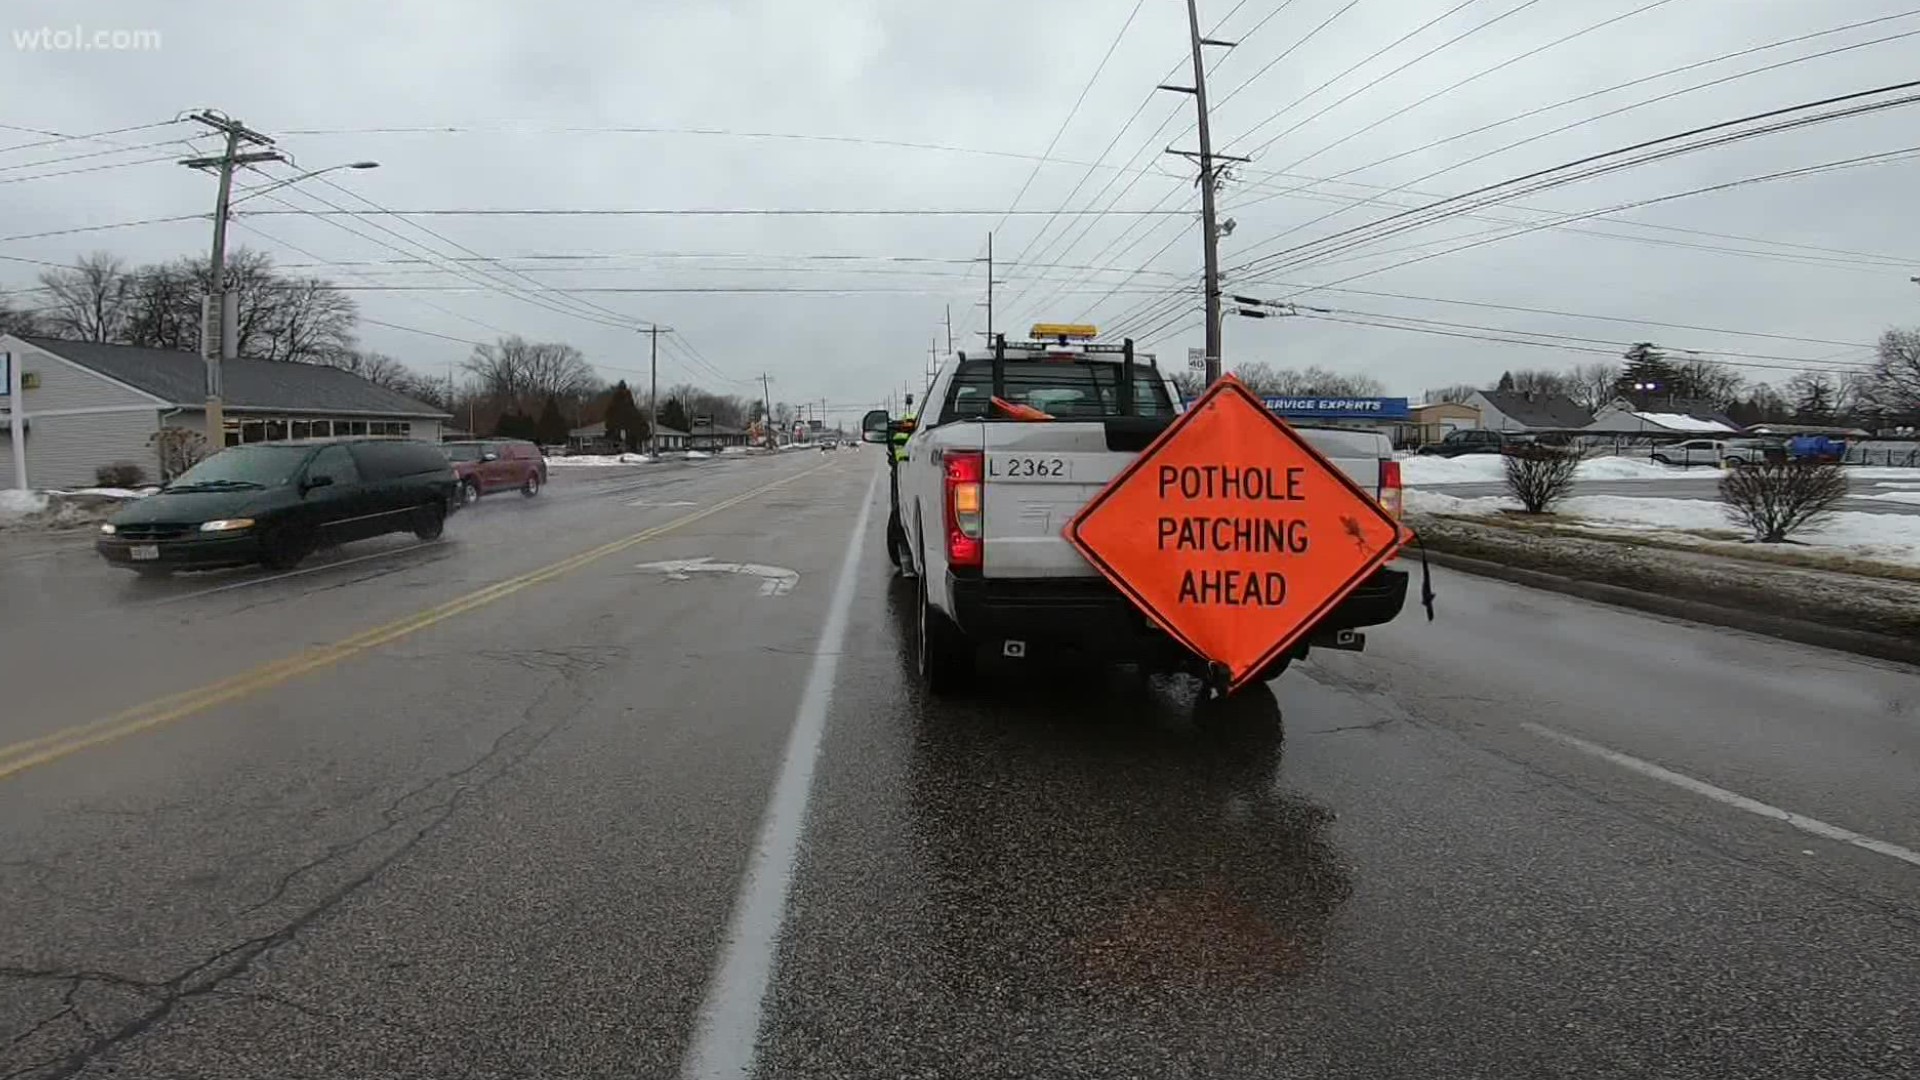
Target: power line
<point>1336,103</point>
<point>93,136</point>
<point>1558,175</point>
<point>1075,111</point>
<point>1368,59</point>
<point>102,228</point>
<point>722,212</point>
<point>86,169</point>
<point>1451,87</point>
<point>1574,124</point>
<point>86,156</point>
<point>1782,43</point>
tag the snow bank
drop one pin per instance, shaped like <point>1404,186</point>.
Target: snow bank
<point>1487,469</point>
<point>1899,497</point>
<point>736,450</point>
<point>597,461</point>
<point>698,455</point>
<point>109,492</point>
<point>16,504</point>
<point>1433,502</point>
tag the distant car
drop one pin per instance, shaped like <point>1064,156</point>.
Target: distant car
<point>1472,441</point>
<point>273,503</point>
<point>484,466</point>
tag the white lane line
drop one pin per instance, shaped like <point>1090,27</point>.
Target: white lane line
<point>1728,798</point>
<point>729,1025</point>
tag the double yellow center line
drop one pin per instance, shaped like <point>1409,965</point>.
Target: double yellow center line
<point>22,756</point>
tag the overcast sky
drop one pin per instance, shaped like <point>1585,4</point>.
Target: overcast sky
<point>535,91</point>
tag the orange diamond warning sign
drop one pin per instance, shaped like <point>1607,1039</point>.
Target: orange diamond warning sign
<point>1233,533</point>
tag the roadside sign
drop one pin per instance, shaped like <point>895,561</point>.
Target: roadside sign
<point>1233,533</point>
<point>1196,359</point>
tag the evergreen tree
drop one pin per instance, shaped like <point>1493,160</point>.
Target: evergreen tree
<point>551,429</point>
<point>674,415</point>
<point>626,424</point>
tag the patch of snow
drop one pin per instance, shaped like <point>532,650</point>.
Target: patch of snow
<point>597,461</point>
<point>1487,469</point>
<point>1683,422</point>
<point>16,504</point>
<point>1898,496</point>
<point>1433,502</point>
<point>109,492</point>
<point>1878,473</point>
<point>698,455</point>
<point>736,450</point>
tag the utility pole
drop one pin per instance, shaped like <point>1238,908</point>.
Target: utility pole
<point>653,390</point>
<point>766,403</point>
<point>214,318</point>
<point>989,286</point>
<point>1209,179</point>
<point>950,319</point>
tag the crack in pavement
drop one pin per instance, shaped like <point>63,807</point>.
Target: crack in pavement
<point>508,749</point>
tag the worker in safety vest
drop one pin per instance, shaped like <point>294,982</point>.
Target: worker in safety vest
<point>900,438</point>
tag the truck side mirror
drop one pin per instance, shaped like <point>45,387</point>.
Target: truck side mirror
<point>873,426</point>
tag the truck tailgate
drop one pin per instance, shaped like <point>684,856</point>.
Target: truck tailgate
<point>1038,477</point>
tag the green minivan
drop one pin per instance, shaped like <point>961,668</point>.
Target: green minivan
<point>274,503</point>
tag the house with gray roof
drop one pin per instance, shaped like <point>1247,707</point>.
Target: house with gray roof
<point>1520,410</point>
<point>87,404</point>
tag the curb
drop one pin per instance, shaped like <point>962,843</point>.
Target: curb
<point>1801,631</point>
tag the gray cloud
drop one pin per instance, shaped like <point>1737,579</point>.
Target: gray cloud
<point>996,76</point>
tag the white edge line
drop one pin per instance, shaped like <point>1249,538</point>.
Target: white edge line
<point>1722,795</point>
<point>727,1031</point>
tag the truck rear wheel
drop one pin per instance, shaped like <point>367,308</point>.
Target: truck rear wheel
<point>945,658</point>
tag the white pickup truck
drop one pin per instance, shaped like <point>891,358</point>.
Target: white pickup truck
<point>984,491</point>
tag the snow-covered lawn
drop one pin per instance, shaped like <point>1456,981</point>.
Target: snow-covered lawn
<point>60,508</point>
<point>1487,469</point>
<point>1891,538</point>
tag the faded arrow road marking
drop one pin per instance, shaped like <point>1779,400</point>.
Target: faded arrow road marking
<point>774,580</point>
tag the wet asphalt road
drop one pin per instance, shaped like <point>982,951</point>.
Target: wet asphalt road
<point>1706,486</point>
<point>467,809</point>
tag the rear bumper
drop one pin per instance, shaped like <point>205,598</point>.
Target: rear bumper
<point>185,552</point>
<point>1089,615</point>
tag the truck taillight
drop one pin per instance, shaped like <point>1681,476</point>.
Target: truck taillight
<point>964,471</point>
<point>1392,496</point>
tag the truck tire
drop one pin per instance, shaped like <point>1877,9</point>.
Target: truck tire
<point>944,656</point>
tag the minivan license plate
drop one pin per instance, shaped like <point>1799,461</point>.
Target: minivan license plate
<point>144,552</point>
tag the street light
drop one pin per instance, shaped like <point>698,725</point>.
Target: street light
<point>305,176</point>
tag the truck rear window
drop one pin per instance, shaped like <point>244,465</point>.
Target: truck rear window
<point>1065,390</point>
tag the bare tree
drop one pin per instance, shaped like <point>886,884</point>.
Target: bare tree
<point>521,374</point>
<point>1540,476</point>
<point>17,321</point>
<point>179,449</point>
<point>1541,381</point>
<point>1817,397</point>
<point>1458,392</point>
<point>1708,381</point>
<point>305,320</point>
<point>1592,385</point>
<point>89,299</point>
<point>1778,499</point>
<point>1267,381</point>
<point>1893,385</point>
<point>1189,384</point>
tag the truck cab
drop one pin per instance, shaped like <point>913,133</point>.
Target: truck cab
<point>1008,446</point>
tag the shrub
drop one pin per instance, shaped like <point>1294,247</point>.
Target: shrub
<point>179,449</point>
<point>1540,476</point>
<point>1780,498</point>
<point>120,474</point>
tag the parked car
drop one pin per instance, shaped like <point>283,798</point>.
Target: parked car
<point>1472,441</point>
<point>273,503</point>
<point>1732,453</point>
<point>484,466</point>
